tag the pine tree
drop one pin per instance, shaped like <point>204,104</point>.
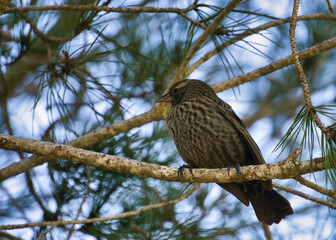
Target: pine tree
<point>82,77</point>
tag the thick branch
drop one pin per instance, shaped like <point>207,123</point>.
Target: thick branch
<point>288,168</point>
<point>155,114</point>
<point>90,7</point>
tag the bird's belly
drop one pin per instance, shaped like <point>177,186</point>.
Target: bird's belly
<point>206,140</point>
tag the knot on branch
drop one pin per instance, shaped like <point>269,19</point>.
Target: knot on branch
<point>290,165</point>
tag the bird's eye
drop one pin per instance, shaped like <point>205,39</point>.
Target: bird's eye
<point>175,90</point>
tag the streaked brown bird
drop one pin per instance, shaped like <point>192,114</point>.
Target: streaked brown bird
<point>208,134</point>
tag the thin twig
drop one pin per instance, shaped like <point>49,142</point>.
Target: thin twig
<point>277,65</point>
<point>305,196</point>
<point>32,191</point>
<point>196,23</point>
<point>43,235</point>
<point>14,203</point>
<point>298,66</point>
<point>50,39</point>
<point>331,9</point>
<point>231,5</point>
<point>3,103</point>
<point>328,193</point>
<point>267,231</point>
<point>141,231</point>
<point>41,35</point>
<point>83,201</point>
<point>303,81</point>
<point>252,31</point>
<point>105,219</point>
<point>4,235</point>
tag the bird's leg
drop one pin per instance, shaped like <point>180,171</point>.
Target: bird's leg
<point>181,169</point>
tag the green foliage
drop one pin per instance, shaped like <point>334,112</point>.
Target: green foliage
<point>116,68</point>
<point>305,131</point>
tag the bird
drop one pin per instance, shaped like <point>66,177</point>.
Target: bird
<point>208,134</point>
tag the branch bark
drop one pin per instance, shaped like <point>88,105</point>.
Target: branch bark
<point>90,7</point>
<point>288,168</point>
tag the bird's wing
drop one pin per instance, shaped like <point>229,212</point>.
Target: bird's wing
<point>226,111</point>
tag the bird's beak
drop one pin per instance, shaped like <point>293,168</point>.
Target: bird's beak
<point>165,98</point>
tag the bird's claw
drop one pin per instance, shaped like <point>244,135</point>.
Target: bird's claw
<point>236,166</point>
<point>181,169</point>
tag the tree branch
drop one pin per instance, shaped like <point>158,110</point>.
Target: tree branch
<point>306,196</point>
<point>231,5</point>
<point>330,132</point>
<point>267,231</point>
<point>331,9</point>
<point>317,188</point>
<point>7,235</point>
<point>44,234</point>
<point>72,229</point>
<point>90,7</point>
<point>160,111</point>
<point>155,114</point>
<point>250,32</point>
<point>277,65</point>
<point>288,168</point>
<point>105,219</point>
<point>44,37</point>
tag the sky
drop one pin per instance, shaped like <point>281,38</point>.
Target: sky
<point>36,121</point>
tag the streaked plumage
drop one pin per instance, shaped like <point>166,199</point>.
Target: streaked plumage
<point>208,134</point>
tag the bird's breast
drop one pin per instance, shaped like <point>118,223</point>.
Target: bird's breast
<point>203,137</point>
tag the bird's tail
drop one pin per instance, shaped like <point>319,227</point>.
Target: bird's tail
<point>270,207</point>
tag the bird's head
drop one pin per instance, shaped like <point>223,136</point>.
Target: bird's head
<point>185,90</point>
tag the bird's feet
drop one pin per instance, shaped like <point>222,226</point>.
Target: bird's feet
<point>181,169</point>
<point>236,166</point>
